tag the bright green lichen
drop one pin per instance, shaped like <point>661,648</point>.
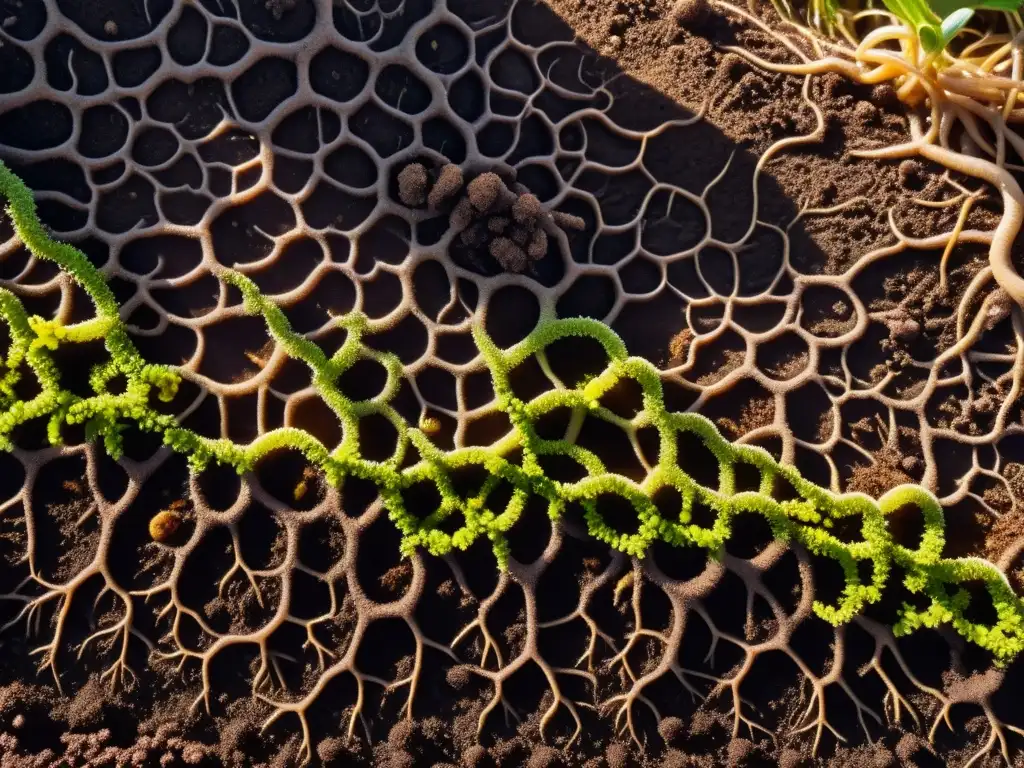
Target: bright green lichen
<point>513,466</point>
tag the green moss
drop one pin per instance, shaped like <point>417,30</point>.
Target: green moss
<point>515,460</point>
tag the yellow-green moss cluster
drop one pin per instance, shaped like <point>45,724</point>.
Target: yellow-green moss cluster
<point>513,466</point>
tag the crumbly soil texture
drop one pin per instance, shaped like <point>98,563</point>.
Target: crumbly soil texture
<point>432,163</point>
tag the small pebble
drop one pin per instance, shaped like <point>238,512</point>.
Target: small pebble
<point>110,28</point>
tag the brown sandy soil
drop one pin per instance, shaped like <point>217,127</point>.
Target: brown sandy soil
<point>763,316</point>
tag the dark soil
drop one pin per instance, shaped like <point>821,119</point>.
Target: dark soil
<point>669,63</point>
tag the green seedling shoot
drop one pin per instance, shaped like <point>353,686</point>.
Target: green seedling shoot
<point>938,22</point>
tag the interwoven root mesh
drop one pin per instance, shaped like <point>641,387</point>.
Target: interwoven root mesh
<point>232,174</point>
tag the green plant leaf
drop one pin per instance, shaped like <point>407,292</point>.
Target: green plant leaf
<point>946,8</point>
<point>937,22</point>
<point>931,38</point>
<point>952,24</point>
<point>917,13</point>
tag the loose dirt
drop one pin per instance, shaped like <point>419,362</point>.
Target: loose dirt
<point>698,318</point>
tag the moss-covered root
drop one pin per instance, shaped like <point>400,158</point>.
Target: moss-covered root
<point>514,467</point>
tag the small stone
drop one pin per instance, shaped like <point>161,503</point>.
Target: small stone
<point>10,21</point>
<point>110,28</point>
<point>615,41</point>
<point>164,525</point>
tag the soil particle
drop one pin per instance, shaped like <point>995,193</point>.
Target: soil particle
<point>679,347</point>
<point>910,464</point>
<point>526,208</point>
<point>474,757</point>
<point>866,756</point>
<point>86,707</point>
<point>544,757</point>
<point>511,228</point>
<point>791,758</point>
<point>400,734</point>
<point>396,579</point>
<point>509,255</point>
<point>400,759</point>
<point>483,191</point>
<point>637,30</point>
<point>1008,530</point>
<point>757,412</point>
<point>449,183</point>
<point>886,473</point>
<point>617,756</point>
<point>865,111</point>
<point>904,329</point>
<point>975,689</point>
<point>739,752</point>
<point>691,14</point>
<point>701,723</point>
<point>458,677</point>
<point>909,747</point>
<point>673,758</point>
<point>412,185</point>
<point>164,525</point>
<point>568,221</point>
<point>884,95</point>
<point>671,729</point>
<point>913,175</point>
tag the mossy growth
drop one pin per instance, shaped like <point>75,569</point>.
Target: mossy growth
<point>516,460</point>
